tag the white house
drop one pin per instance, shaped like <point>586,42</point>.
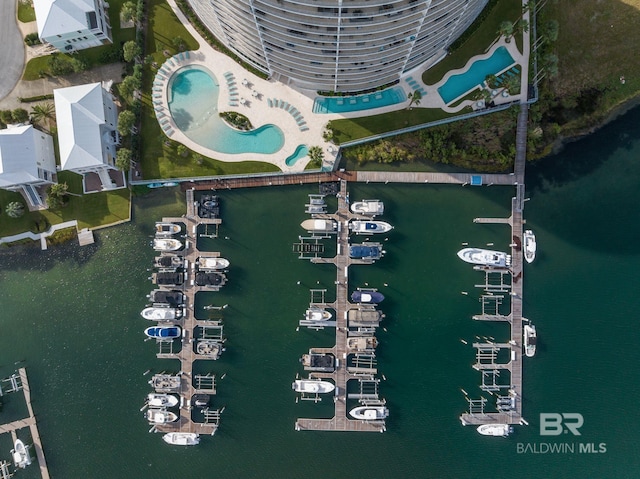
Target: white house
<point>27,161</point>
<point>71,25</point>
<point>87,121</point>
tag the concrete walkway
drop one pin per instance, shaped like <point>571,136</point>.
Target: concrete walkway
<point>42,237</point>
<point>12,55</point>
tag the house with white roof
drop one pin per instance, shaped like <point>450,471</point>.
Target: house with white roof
<point>71,25</point>
<point>87,120</point>
<point>27,162</point>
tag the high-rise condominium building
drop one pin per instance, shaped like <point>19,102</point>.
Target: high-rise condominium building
<point>337,45</point>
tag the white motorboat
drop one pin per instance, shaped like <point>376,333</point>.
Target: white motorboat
<point>320,226</point>
<point>205,264</point>
<point>20,453</point>
<point>485,257</point>
<point>530,337</point>
<point>166,244</point>
<point>159,313</point>
<point>167,228</point>
<point>314,386</point>
<point>366,227</point>
<point>368,207</point>
<point>369,413</point>
<point>497,430</point>
<point>317,314</point>
<point>182,438</point>
<point>529,246</point>
<point>162,400</point>
<point>160,416</point>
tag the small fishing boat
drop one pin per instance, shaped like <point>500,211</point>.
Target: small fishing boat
<point>182,438</point>
<point>160,416</point>
<point>320,226</point>
<point>163,332</point>
<point>367,296</point>
<point>530,337</point>
<point>20,454</point>
<point>365,251</point>
<point>497,430</point>
<point>159,313</point>
<point>205,264</point>
<point>166,244</point>
<point>165,383</point>
<point>167,229</point>
<point>362,343</point>
<point>317,314</point>
<point>161,400</point>
<point>200,400</point>
<point>314,386</point>
<point>368,207</point>
<point>485,257</point>
<point>529,246</point>
<point>367,227</point>
<point>165,184</point>
<point>369,413</point>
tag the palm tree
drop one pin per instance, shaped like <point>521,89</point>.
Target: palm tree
<point>506,29</point>
<point>316,155</point>
<point>123,159</point>
<point>42,112</point>
<point>14,209</point>
<point>414,98</point>
<point>56,198</point>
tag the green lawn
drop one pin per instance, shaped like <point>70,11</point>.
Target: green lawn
<point>163,28</point>
<point>73,181</point>
<point>26,13</point>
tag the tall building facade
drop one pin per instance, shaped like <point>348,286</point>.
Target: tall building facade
<point>337,45</point>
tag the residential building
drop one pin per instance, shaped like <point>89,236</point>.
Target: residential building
<point>346,46</point>
<point>71,25</point>
<point>27,162</point>
<point>87,120</point>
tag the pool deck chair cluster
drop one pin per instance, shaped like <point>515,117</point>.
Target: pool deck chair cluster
<point>159,90</point>
<point>293,111</point>
<point>513,71</point>
<point>416,86</point>
<point>233,88</point>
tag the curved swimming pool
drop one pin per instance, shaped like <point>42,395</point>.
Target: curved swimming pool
<point>193,103</point>
<point>301,152</point>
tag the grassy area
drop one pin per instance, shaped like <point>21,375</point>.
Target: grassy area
<point>26,13</point>
<point>163,28</point>
<point>73,181</point>
<point>477,43</point>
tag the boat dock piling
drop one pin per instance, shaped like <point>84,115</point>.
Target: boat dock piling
<point>362,365</point>
<point>19,382</point>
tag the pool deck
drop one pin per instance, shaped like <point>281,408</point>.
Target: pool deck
<point>309,133</point>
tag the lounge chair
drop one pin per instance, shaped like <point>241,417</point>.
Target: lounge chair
<point>169,131</point>
<point>301,122</point>
<point>298,116</point>
<point>164,122</point>
<point>181,56</point>
<point>304,128</point>
<point>233,103</point>
<point>409,79</point>
<point>286,106</point>
<point>186,54</point>
<point>294,110</point>
<point>227,74</point>
<point>270,102</point>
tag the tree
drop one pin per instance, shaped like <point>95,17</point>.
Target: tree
<point>128,86</point>
<point>523,26</point>
<point>56,197</point>
<point>20,115</point>
<point>316,156</point>
<point>550,63</point>
<point>126,121</point>
<point>43,112</point>
<point>551,30</point>
<point>178,43</point>
<point>128,12</point>
<point>6,117</point>
<point>131,50</point>
<point>123,159</point>
<point>512,84</point>
<point>182,150</point>
<point>78,65</point>
<point>14,209</point>
<point>58,66</point>
<point>414,98</point>
<point>506,30</point>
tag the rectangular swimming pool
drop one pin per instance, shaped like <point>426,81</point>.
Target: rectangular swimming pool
<point>458,85</point>
<point>368,101</point>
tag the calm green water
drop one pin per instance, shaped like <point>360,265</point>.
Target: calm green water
<point>73,315</point>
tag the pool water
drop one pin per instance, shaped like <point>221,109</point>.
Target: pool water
<point>301,152</point>
<point>342,104</point>
<point>460,84</point>
<point>193,103</point>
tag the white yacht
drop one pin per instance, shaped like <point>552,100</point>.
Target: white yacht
<point>317,314</point>
<point>320,226</point>
<point>20,453</point>
<point>167,228</point>
<point>530,337</point>
<point>182,438</point>
<point>314,386</point>
<point>160,313</point>
<point>529,246</point>
<point>368,207</point>
<point>369,413</point>
<point>497,430</point>
<point>367,227</point>
<point>161,400</point>
<point>166,244</point>
<point>205,264</point>
<point>485,257</point>
<point>160,416</point>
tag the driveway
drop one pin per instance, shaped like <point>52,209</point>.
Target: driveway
<point>11,47</point>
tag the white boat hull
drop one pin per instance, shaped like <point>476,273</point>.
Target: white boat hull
<point>312,386</point>
<point>370,227</point>
<point>160,416</point>
<point>317,315</point>
<point>529,246</point>
<point>162,400</point>
<point>181,438</point>
<point>368,207</point>
<point>166,244</point>
<point>369,413</point>
<point>20,454</point>
<point>485,257</point>
<point>496,430</point>
<point>530,337</point>
<point>161,314</point>
<point>212,264</point>
<point>320,226</point>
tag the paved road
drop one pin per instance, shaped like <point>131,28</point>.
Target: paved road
<point>11,47</point>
